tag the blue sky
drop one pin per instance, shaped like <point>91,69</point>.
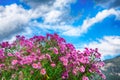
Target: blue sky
<point>85,23</point>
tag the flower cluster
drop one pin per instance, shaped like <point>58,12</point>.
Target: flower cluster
<point>47,57</point>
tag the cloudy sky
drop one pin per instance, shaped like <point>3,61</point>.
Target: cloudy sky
<point>85,23</point>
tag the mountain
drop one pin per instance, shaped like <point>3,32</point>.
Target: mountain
<point>112,68</point>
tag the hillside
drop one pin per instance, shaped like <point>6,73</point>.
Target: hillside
<point>112,68</point>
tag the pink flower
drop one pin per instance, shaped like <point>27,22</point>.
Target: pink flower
<point>90,70</point>
<point>39,51</point>
<point>103,76</point>
<point>82,60</point>
<point>97,55</point>
<point>42,57</point>
<point>22,43</point>
<point>82,69</point>
<point>86,59</point>
<point>55,50</point>
<point>65,75</point>
<point>87,52</point>
<point>2,55</point>
<point>10,54</point>
<point>31,72</point>
<point>85,78</point>
<point>65,62</point>
<point>62,47</point>
<point>74,71</point>
<point>43,71</point>
<point>4,44</point>
<point>49,57</point>
<point>101,64</point>
<point>34,65</point>
<point>14,62</point>
<point>17,54</point>
<point>39,65</point>
<point>2,65</point>
<point>53,64</point>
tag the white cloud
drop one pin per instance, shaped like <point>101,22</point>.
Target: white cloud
<point>36,3</point>
<point>108,3</point>
<point>70,30</point>
<point>58,27</point>
<point>27,33</point>
<point>57,11</point>
<point>109,45</point>
<point>89,22</point>
<point>53,16</point>
<point>62,3</point>
<point>99,17</point>
<point>13,38</point>
<point>14,18</point>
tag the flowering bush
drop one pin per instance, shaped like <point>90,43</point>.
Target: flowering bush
<point>47,58</point>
